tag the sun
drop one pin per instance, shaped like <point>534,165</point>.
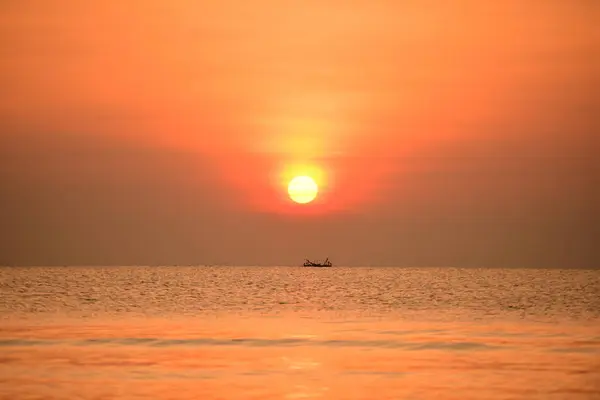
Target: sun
<point>303,189</point>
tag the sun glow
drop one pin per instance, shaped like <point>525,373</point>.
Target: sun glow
<point>303,189</point>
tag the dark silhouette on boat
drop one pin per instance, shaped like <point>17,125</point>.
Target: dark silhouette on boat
<point>326,263</point>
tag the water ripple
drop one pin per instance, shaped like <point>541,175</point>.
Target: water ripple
<point>254,342</point>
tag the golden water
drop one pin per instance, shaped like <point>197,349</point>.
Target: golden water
<point>298,333</point>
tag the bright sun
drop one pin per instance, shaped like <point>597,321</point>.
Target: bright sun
<point>303,189</point>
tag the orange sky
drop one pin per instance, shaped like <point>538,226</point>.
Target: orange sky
<point>427,108</point>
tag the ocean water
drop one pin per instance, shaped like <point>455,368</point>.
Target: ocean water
<point>298,333</point>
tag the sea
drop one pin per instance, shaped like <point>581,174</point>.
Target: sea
<point>218,332</point>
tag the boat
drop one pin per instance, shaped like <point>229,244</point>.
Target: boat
<point>326,263</point>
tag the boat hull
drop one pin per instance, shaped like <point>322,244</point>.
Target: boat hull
<point>317,264</point>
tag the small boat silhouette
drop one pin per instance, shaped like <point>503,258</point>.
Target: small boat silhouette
<point>326,263</point>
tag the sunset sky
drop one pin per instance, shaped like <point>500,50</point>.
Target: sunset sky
<point>440,133</point>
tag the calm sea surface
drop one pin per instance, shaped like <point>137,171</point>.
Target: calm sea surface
<point>298,333</point>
